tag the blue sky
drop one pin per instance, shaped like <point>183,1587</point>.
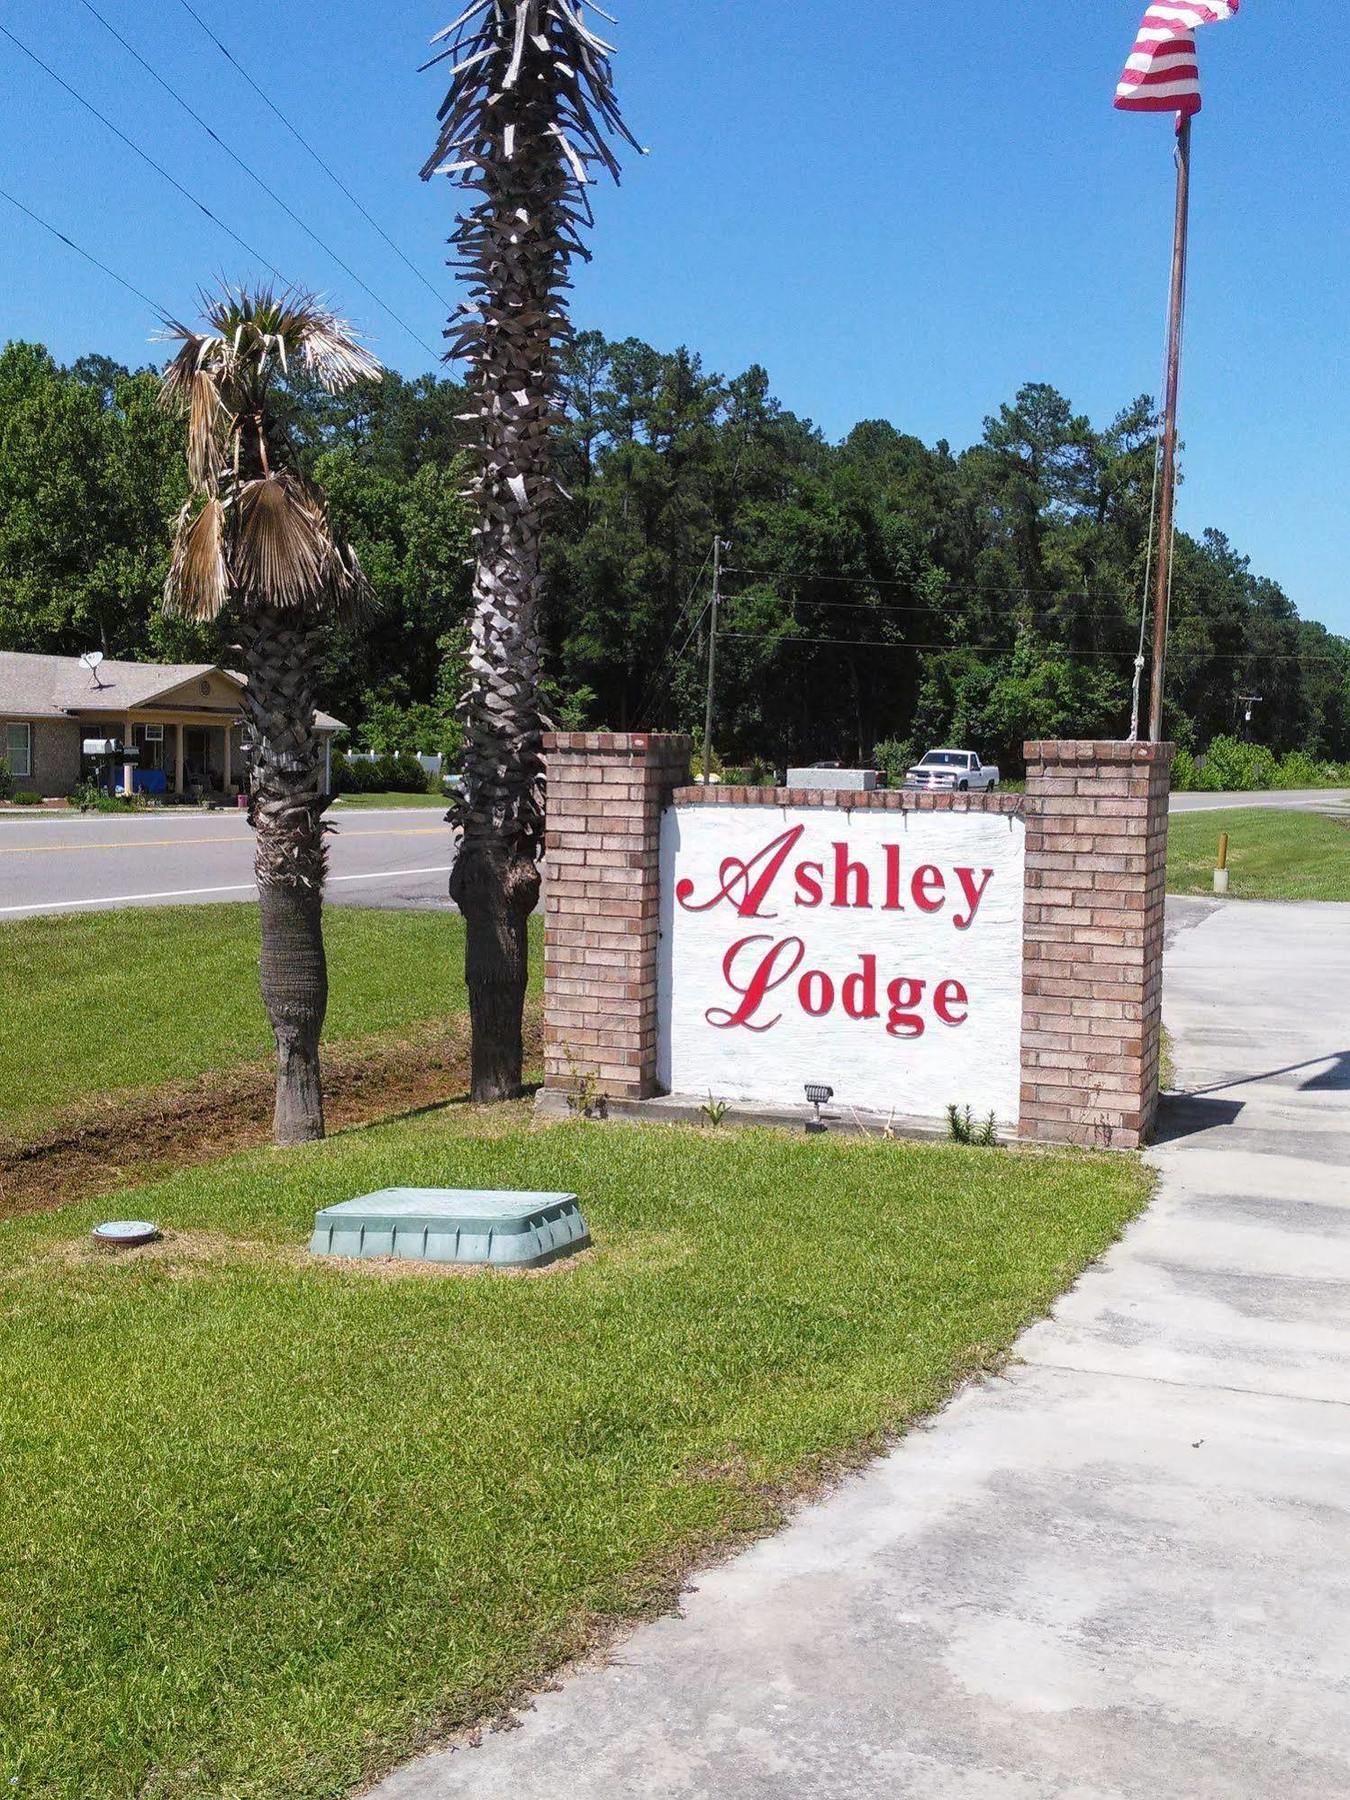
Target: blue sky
<point>901,213</point>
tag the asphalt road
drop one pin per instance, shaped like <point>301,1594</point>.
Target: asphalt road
<point>1327,800</point>
<point>62,863</point>
<point>49,865</point>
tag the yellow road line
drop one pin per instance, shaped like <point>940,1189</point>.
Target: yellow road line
<point>197,843</point>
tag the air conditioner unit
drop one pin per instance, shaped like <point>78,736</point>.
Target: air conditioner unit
<point>154,734</point>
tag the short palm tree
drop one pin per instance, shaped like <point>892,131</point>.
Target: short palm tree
<point>255,542</point>
<point>527,117</point>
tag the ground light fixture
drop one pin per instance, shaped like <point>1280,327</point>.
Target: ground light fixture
<point>125,1234</point>
<point>816,1095</point>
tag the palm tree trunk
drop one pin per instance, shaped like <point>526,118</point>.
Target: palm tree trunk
<point>286,808</point>
<point>495,882</point>
<point>496,894</point>
<point>513,382</point>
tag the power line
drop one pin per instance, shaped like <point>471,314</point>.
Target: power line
<point>968,588</point>
<point>674,661</point>
<point>679,621</point>
<point>254,176</point>
<point>866,606</point>
<point>144,155</point>
<point>312,152</point>
<point>79,250</point>
<point>1006,649</point>
<point>793,637</point>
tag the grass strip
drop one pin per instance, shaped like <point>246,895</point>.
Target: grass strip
<point>383,802</point>
<point>1273,854</point>
<point>109,1002</point>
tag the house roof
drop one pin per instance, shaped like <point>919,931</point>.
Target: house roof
<point>57,687</point>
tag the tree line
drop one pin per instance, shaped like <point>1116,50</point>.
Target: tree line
<point>880,594</point>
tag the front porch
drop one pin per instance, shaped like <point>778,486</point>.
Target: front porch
<point>186,756</point>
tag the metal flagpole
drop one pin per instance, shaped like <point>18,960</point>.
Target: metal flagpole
<point>712,660</point>
<point>1176,313</point>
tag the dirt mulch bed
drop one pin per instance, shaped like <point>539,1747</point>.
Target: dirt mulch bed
<point>123,1139</point>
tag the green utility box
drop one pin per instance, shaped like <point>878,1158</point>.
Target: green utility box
<point>453,1225</point>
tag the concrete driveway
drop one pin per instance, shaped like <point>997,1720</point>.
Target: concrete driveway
<point>1120,1571</point>
<point>78,864</point>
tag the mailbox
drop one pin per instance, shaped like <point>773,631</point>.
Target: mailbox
<point>110,748</point>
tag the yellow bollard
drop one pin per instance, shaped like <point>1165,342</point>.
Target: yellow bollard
<point>1221,867</point>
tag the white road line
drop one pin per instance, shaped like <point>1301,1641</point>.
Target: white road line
<point>197,843</point>
<point>238,887</point>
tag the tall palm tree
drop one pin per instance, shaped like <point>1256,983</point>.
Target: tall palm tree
<point>255,540</point>
<point>526,118</point>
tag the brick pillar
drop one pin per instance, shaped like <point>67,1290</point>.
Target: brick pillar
<point>602,905</point>
<point>1096,818</point>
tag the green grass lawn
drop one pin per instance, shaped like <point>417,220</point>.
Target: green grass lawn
<point>104,1002</point>
<point>363,802</point>
<point>1272,855</point>
<point>266,1522</point>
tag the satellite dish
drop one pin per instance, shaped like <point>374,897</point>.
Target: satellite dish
<point>90,660</point>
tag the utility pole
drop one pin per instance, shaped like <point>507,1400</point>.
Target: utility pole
<point>712,660</point>
<point>1168,488</point>
<point>1246,702</point>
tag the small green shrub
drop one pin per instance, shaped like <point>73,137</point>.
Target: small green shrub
<point>752,774</point>
<point>6,780</point>
<point>383,775</point>
<point>892,758</point>
<point>1185,775</point>
<point>25,797</point>
<point>1296,769</point>
<point>962,1129</point>
<point>1235,767</point>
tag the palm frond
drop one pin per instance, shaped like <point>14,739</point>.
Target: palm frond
<point>206,416</point>
<point>331,353</point>
<point>265,537</point>
<point>281,549</point>
<point>198,583</point>
<point>175,387</point>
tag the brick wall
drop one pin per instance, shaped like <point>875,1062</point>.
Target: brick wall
<point>55,746</point>
<point>1092,960</point>
<point>602,905</point>
<point>1096,848</point>
<point>849,799</point>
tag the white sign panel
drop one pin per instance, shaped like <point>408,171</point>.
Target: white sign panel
<point>878,952</point>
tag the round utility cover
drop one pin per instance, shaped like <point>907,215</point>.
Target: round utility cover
<point>125,1233</point>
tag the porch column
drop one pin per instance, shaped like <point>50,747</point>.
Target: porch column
<point>128,769</point>
<point>225,766</point>
<point>179,728</point>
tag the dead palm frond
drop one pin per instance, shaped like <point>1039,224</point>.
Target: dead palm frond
<point>264,537</point>
<point>198,583</point>
<point>279,540</point>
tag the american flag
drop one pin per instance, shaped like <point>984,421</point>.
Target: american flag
<point>1162,74</point>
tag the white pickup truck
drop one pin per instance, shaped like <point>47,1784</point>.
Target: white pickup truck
<point>947,770</point>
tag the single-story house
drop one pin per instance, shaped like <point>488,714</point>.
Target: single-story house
<point>182,717</point>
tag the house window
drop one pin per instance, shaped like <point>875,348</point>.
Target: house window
<point>19,749</point>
